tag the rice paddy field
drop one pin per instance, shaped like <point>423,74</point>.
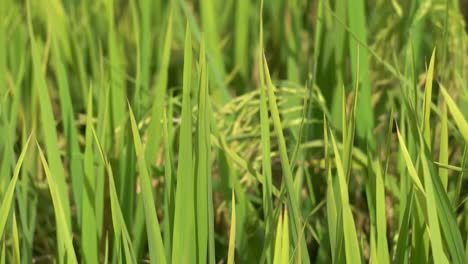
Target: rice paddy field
<point>236,131</point>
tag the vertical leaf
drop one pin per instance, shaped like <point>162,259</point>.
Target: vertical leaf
<point>360,68</point>
<point>352,249</point>
<point>210,27</point>
<point>242,36</point>
<point>457,115</point>
<point>8,197</point>
<point>265,144</point>
<point>154,130</point>
<point>426,125</point>
<point>202,189</point>
<point>155,243</point>
<point>433,221</point>
<point>232,232</point>
<point>444,148</point>
<point>118,221</point>
<point>63,229</point>
<point>183,250</point>
<point>89,226</point>
<point>286,167</point>
<point>48,123</point>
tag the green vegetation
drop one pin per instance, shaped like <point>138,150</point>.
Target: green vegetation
<point>237,131</point>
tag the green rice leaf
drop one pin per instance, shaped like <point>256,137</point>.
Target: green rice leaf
<point>168,190</point>
<point>62,225</point>
<point>426,125</point>
<point>210,27</point>
<point>278,240</point>
<point>232,232</point>
<point>71,133</point>
<point>202,190</point>
<point>411,169</point>
<point>285,238</point>
<point>401,252</point>
<point>286,166</point>
<point>3,256</point>
<point>118,221</point>
<point>183,249</point>
<point>432,212</point>
<point>8,197</point>
<point>444,211</point>
<point>49,130</point>
<point>360,69</point>
<point>266,149</point>
<point>352,249</point>
<point>444,148</point>
<point>89,238</point>
<point>332,214</point>
<point>155,243</point>
<point>154,130</point>
<point>457,115</point>
<point>15,238</point>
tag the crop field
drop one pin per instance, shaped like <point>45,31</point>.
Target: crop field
<point>234,131</point>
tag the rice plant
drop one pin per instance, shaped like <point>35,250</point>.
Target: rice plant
<point>237,131</point>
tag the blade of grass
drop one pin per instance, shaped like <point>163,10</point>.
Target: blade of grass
<point>401,252</point>
<point>443,208</point>
<point>69,125</point>
<point>48,122</point>
<point>27,205</point>
<point>381,219</point>
<point>118,220</point>
<point>242,36</point>
<point>117,80</point>
<point>350,129</point>
<point>136,98</point>
<point>183,249</point>
<point>286,166</point>
<point>411,169</point>
<point>15,238</point>
<point>232,232</point>
<point>155,243</point>
<point>89,239</point>
<point>103,130</point>
<point>444,148</point>
<point>278,240</point>
<point>3,256</point>
<point>285,238</point>
<point>8,197</point>
<point>433,223</point>
<point>106,250</point>
<point>63,229</point>
<point>211,206</point>
<point>168,190</point>
<point>203,162</point>
<point>266,150</point>
<point>339,39</point>
<point>360,69</point>
<point>425,125</point>
<point>154,130</point>
<point>457,115</point>
<point>218,73</point>
<point>460,176</point>
<point>292,38</point>
<point>210,27</point>
<point>145,41</point>
<point>352,249</point>
<point>332,214</point>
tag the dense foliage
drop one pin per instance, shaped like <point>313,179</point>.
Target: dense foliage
<point>282,131</point>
